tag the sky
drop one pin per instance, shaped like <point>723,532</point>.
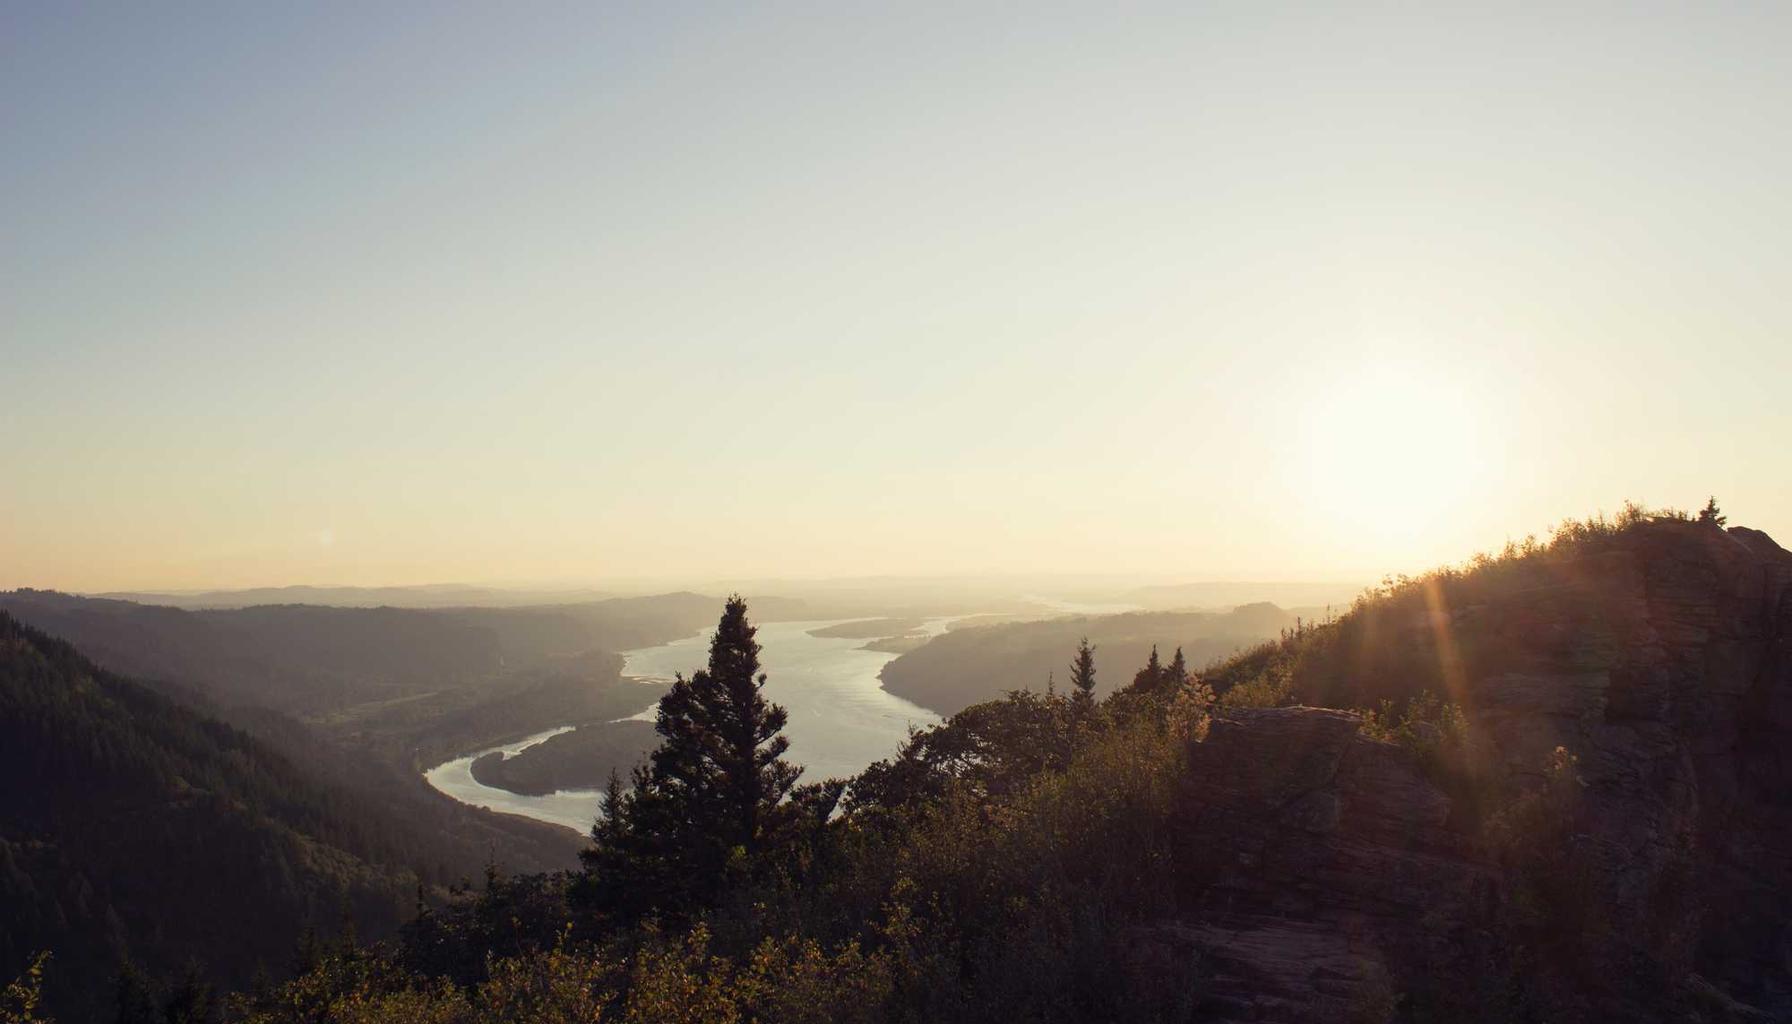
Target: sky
<point>409,293</point>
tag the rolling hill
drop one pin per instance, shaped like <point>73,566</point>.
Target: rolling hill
<point>978,663</point>
<point>133,828</point>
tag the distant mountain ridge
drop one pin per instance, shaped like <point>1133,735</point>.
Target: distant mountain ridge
<point>428,595</point>
<point>978,663</point>
<point>1222,594</point>
<point>314,660</point>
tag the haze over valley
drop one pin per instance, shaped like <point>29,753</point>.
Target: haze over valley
<point>780,514</point>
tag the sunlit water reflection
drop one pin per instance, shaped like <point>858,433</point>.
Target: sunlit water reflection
<point>840,718</point>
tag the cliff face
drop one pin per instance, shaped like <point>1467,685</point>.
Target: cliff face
<point>1677,699</point>
<point>1339,876</point>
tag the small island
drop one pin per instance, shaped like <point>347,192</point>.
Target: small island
<point>898,644</point>
<point>580,759</point>
<point>869,629</point>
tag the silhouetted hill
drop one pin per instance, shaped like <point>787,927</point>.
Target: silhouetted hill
<point>1220,594</point>
<point>1550,786</point>
<point>1601,832</point>
<point>973,664</point>
<point>131,826</point>
<point>311,660</point>
<point>296,658</point>
<point>443,595</point>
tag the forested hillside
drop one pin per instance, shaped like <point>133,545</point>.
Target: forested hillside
<point>978,663</point>
<point>1546,786</point>
<point>370,697</point>
<point>316,661</point>
<point>449,595</point>
<point>1570,808</point>
<point>132,828</point>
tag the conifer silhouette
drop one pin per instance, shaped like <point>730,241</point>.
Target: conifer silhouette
<point>710,801</point>
<point>1082,675</point>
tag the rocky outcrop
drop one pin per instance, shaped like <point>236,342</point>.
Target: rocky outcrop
<point>1324,867</point>
<point>1333,876</point>
<point>1674,691</point>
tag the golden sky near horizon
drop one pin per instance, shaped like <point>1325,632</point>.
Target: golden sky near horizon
<point>432,293</point>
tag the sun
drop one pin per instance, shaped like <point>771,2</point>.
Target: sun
<point>1393,447</point>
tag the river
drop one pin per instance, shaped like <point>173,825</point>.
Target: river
<point>840,718</point>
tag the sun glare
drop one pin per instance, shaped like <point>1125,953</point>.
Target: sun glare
<point>1392,446</point>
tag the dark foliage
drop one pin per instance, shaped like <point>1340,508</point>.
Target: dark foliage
<point>132,828</point>
<point>707,812</point>
<point>1082,674</point>
<point>317,661</point>
<point>1036,857</point>
<point>976,663</point>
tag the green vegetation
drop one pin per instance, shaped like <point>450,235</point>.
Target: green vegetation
<point>124,817</point>
<point>21,999</point>
<point>973,663</point>
<point>391,681</point>
<point>1368,656</point>
<point>1156,677</point>
<point>1006,862</point>
<point>708,811</point>
<point>1082,675</point>
<point>584,758</point>
<point>352,703</point>
<point>999,863</point>
<point>1030,857</point>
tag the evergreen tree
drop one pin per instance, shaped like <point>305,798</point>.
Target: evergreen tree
<point>191,1000</point>
<point>1710,515</point>
<point>1176,676</point>
<point>1082,675</point>
<point>310,951</point>
<point>709,804</point>
<point>1150,678</point>
<point>134,996</point>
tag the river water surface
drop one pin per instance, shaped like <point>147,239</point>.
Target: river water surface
<point>840,718</point>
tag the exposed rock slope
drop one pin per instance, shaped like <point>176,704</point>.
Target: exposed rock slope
<point>1328,867</point>
<point>1338,877</point>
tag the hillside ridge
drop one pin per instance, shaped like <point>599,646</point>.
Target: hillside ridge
<point>1651,666</point>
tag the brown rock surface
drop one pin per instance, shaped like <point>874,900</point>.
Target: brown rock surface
<point>1331,874</point>
<point>1327,867</point>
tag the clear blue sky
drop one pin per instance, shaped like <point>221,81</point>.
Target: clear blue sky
<point>407,293</point>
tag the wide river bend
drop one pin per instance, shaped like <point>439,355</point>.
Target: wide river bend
<point>840,718</point>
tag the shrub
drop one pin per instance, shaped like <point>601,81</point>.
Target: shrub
<point>552,987</point>
<point>20,999</point>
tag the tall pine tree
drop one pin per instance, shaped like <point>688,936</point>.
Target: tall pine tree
<point>709,805</point>
<point>1082,676</point>
<point>1177,674</point>
<point>1150,678</point>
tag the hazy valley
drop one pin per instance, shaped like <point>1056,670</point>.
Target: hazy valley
<point>1651,655</point>
<point>895,513</point>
